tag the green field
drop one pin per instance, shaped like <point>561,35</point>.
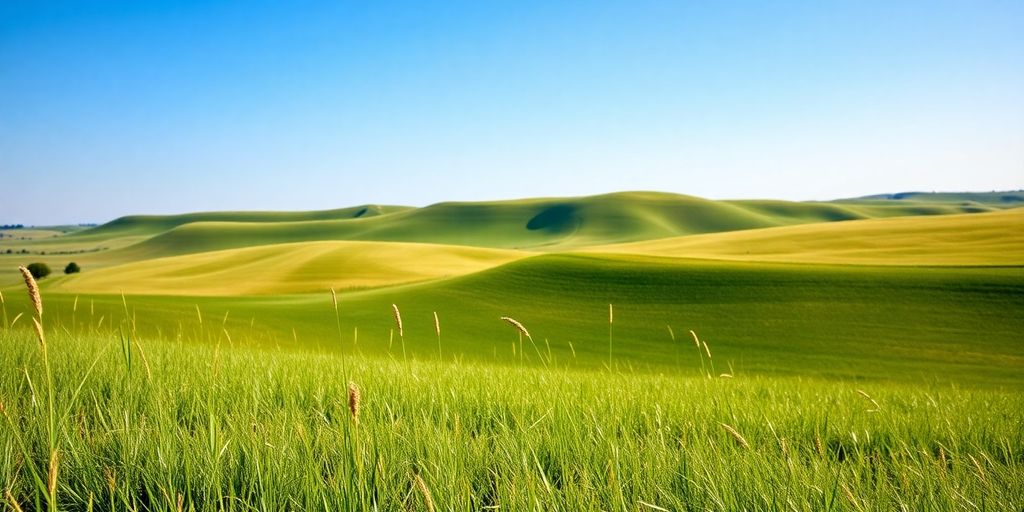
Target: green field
<point>221,362</point>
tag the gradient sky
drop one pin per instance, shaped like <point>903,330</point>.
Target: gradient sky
<point>114,108</point>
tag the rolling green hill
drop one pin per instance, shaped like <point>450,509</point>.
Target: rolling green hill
<point>266,282</point>
<point>891,323</point>
<point>535,224</point>
<point>993,238</point>
<point>543,224</point>
<point>135,225</point>
<point>305,267</point>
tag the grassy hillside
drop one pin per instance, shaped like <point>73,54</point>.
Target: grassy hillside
<point>539,224</point>
<point>994,238</point>
<point>891,323</point>
<point>545,224</point>
<point>155,224</point>
<point>287,268</point>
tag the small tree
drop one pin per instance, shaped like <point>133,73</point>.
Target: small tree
<point>38,270</point>
<point>72,268</point>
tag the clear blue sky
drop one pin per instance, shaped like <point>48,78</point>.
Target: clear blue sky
<point>113,108</point>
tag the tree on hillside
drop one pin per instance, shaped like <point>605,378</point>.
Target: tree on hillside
<point>72,268</point>
<point>38,270</point>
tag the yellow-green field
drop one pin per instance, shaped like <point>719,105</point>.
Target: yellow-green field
<point>303,267</point>
<point>995,238</point>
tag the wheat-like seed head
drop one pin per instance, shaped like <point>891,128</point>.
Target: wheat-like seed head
<point>671,333</point>
<point>437,325</point>
<point>422,486</point>
<point>398,319</point>
<point>33,291</point>
<point>611,314</point>
<point>818,446</point>
<point>12,501</point>
<point>977,466</point>
<point>353,401</point>
<point>2,298</point>
<point>519,327</point>
<point>736,436</point>
<point>706,350</point>
<point>51,482</point>
<point>696,341</point>
<point>872,400</point>
<point>850,497</point>
<point>334,299</point>
<point>111,477</point>
<point>39,332</point>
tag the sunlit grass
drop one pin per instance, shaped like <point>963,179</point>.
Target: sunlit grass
<point>222,427</point>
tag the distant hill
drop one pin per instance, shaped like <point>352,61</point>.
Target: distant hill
<point>553,224</point>
<point>1007,199</point>
<point>534,224</point>
<point>153,224</point>
<point>992,238</point>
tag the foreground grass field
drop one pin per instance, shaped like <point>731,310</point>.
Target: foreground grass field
<point>142,424</point>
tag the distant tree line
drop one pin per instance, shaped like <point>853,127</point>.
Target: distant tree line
<point>12,226</point>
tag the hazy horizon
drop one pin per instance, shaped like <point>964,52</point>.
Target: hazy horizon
<point>118,108</point>
<point>340,206</point>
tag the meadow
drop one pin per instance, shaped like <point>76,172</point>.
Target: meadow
<point>674,354</point>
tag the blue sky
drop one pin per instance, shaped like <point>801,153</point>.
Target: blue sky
<point>113,108</point>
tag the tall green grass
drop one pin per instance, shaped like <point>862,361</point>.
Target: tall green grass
<point>220,427</point>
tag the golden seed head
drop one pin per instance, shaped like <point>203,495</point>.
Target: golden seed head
<point>519,327</point>
<point>39,331</point>
<point>353,401</point>
<point>736,436</point>
<point>10,499</point>
<point>850,497</point>
<point>33,290</point>
<point>696,341</point>
<point>437,325</point>
<point>334,298</point>
<point>398,319</point>
<point>111,478</point>
<point>422,486</point>
<point>611,314</point>
<point>51,484</point>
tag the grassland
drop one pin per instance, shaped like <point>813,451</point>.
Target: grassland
<point>550,224</point>
<point>149,425</point>
<point>305,267</point>
<point>867,352</point>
